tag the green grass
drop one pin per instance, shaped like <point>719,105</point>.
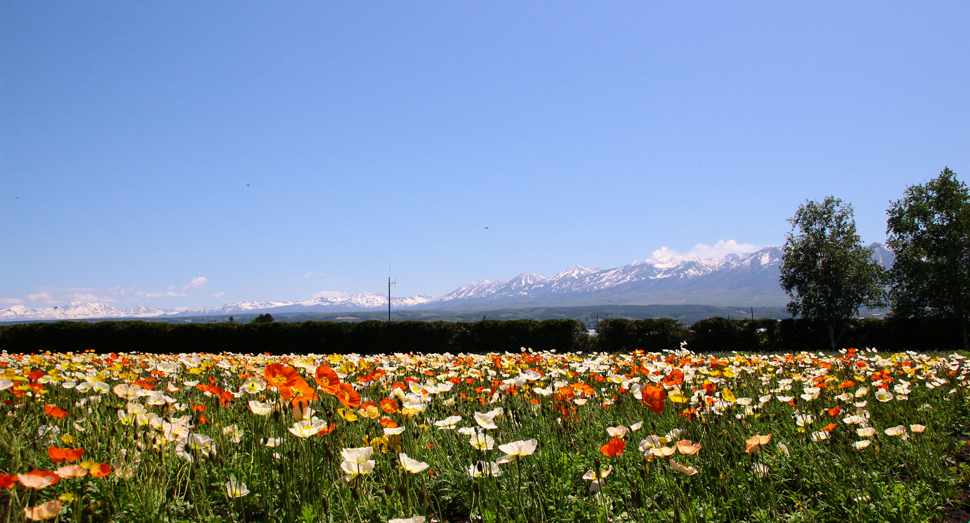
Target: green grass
<point>795,477</point>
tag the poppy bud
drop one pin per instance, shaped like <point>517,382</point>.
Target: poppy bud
<point>422,497</point>
<point>356,492</point>
<point>402,488</point>
<point>388,489</point>
<point>476,488</point>
<point>597,465</point>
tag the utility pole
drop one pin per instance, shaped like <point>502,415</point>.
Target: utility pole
<point>389,283</point>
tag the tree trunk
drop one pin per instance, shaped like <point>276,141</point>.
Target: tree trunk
<point>832,335</point>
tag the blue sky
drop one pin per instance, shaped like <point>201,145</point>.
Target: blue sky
<point>186,154</point>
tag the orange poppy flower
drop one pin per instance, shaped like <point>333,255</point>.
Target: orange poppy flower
<point>829,428</point>
<point>613,448</point>
<point>327,379</point>
<point>303,393</point>
<point>654,398</point>
<point>280,376</point>
<point>709,388</point>
<point>388,405</point>
<point>55,411</point>
<point>676,377</point>
<point>61,455</point>
<point>834,411</point>
<point>388,423</point>
<point>100,471</point>
<point>349,397</point>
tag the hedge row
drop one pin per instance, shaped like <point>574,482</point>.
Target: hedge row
<point>367,337</point>
<point>375,337</point>
<point>723,335</point>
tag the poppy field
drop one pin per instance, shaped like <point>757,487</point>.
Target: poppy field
<point>854,436</point>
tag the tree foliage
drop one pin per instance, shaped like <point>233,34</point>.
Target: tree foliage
<point>929,232</point>
<point>826,269</point>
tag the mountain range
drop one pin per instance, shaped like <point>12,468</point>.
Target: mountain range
<point>744,280</point>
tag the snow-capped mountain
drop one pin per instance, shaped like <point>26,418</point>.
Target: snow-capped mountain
<point>734,280</point>
<point>79,310</point>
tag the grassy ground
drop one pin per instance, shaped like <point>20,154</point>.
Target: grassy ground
<point>502,437</point>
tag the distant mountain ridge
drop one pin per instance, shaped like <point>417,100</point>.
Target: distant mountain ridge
<point>750,279</point>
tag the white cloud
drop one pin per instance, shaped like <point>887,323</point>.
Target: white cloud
<point>77,296</point>
<point>113,292</point>
<point>327,294</point>
<point>195,284</point>
<point>158,294</point>
<point>718,250</point>
<point>217,294</point>
<point>40,297</point>
<point>54,295</point>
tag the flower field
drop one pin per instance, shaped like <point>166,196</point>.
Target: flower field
<point>528,436</point>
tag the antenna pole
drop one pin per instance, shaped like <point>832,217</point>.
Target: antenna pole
<point>389,283</point>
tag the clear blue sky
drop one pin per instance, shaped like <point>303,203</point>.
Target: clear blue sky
<point>376,133</point>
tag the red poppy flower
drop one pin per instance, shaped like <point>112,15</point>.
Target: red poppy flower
<point>61,455</point>
<point>7,481</point>
<point>613,448</point>
<point>55,411</point>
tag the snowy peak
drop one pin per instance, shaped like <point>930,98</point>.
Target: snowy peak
<point>79,310</point>
<point>475,289</point>
<point>522,282</point>
<point>576,271</point>
<point>664,278</point>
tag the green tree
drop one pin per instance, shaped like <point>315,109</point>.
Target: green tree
<point>929,232</point>
<point>826,269</point>
<point>263,318</point>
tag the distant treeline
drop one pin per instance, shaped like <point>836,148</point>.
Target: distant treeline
<point>375,337</point>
